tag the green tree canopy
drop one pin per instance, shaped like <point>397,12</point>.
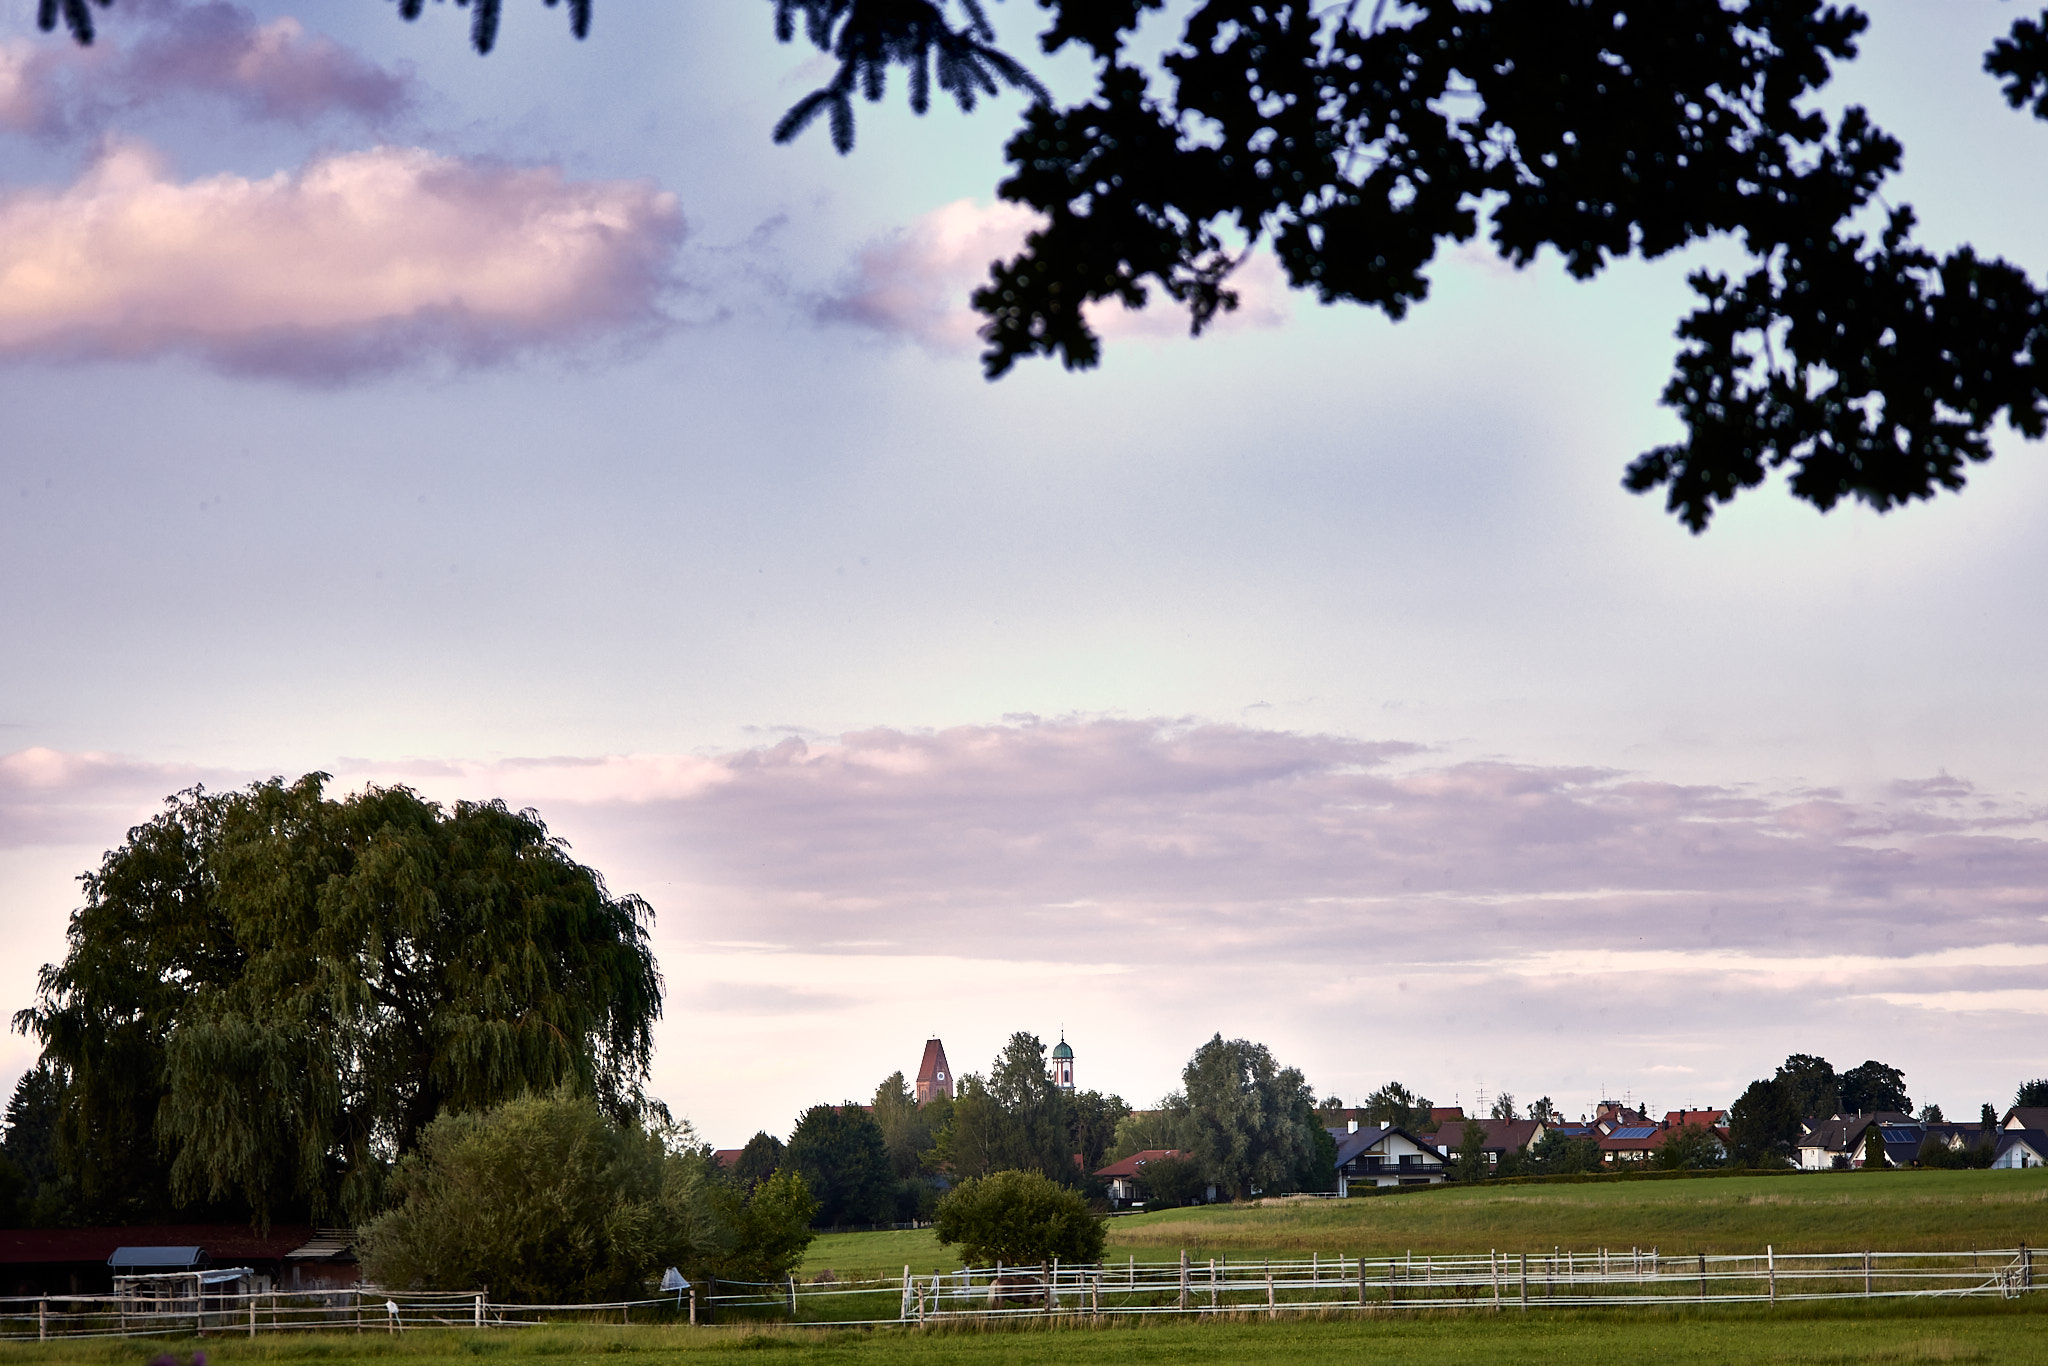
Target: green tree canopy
<point>1018,1218</point>
<point>1815,1090</point>
<point>1872,1086</point>
<point>2032,1093</point>
<point>760,1159</point>
<point>1395,1105</point>
<point>1168,1127</point>
<point>1034,1133</point>
<point>33,1112</point>
<point>1251,1120</point>
<point>1763,1124</point>
<point>1688,1147</point>
<point>1562,1154</point>
<point>269,994</point>
<point>1093,1120</point>
<point>844,1160</point>
<point>1014,1119</point>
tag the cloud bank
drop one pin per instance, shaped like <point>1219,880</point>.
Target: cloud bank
<point>359,262</point>
<point>916,283</point>
<point>166,53</point>
<point>1146,881</point>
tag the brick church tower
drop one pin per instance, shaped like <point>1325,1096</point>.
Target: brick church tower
<point>934,1076</point>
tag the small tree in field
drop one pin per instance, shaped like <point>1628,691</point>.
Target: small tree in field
<point>1018,1218</point>
<point>1873,1149</point>
<point>1471,1162</point>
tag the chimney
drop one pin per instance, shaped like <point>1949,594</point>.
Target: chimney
<point>1351,1127</point>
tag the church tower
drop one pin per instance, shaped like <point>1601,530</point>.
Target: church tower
<point>1063,1065</point>
<point>934,1075</point>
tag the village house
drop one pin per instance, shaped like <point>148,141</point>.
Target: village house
<point>1385,1157</point>
<point>1126,1178</point>
<point>2019,1148</point>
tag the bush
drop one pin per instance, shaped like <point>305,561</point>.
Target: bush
<point>1018,1219</point>
<point>1689,1147</point>
<point>543,1199</point>
<point>546,1199</point>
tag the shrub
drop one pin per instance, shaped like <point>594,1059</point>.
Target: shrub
<point>1018,1218</point>
<point>1689,1147</point>
<point>546,1199</point>
<point>543,1199</point>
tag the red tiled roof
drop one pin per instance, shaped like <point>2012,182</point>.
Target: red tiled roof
<point>1709,1118</point>
<point>1130,1166</point>
<point>934,1062</point>
<point>222,1242</point>
<point>726,1157</point>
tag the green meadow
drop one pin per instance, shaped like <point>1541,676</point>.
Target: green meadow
<point>1989,1331</point>
<point>1917,1211</point>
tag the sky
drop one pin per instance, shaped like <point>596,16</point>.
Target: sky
<point>531,427</point>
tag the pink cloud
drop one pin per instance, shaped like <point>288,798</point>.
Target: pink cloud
<point>165,52</point>
<point>274,70</point>
<point>917,282</point>
<point>357,262</point>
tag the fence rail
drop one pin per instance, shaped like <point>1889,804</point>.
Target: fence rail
<point>1494,1282</point>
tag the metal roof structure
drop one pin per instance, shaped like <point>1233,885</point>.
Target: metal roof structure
<point>156,1258</point>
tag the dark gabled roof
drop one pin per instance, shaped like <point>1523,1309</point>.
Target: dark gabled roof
<point>1501,1134</point>
<point>2028,1117</point>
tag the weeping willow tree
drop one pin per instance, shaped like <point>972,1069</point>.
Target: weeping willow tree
<point>269,995</point>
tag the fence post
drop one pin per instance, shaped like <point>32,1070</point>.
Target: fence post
<point>479,1308</point>
<point>252,1313</point>
<point>1866,1274</point>
<point>693,1306</point>
<point>792,1297</point>
<point>903,1312</point>
<point>1272,1305</point>
<point>1493,1270</point>
<point>1703,1275</point>
<point>1525,1282</point>
<point>1213,1278</point>
<point>2026,1267</point>
<point>1771,1270</point>
<point>1183,1279</point>
<point>1361,1280</point>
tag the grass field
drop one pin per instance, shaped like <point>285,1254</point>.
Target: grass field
<point>1825,1212</point>
<point>1989,1332</point>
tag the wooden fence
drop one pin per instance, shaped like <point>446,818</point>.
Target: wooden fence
<point>1496,1282</point>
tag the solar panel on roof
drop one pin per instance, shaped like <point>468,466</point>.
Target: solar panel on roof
<point>1635,1131</point>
